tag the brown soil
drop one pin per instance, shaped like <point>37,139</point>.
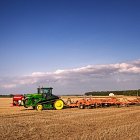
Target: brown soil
<point>18,123</point>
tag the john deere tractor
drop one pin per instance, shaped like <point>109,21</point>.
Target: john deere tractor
<point>44,99</point>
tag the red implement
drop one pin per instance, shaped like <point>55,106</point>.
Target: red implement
<point>17,100</point>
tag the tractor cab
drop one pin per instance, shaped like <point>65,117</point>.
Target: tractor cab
<point>47,91</point>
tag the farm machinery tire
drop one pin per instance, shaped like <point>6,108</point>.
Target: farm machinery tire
<point>58,104</point>
<point>39,107</point>
<point>33,107</point>
<point>81,106</point>
<point>26,100</point>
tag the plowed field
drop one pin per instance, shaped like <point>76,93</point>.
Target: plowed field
<point>18,123</point>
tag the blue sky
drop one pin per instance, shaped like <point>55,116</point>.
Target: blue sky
<point>47,35</point>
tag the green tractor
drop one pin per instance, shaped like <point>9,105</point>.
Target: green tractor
<point>44,99</point>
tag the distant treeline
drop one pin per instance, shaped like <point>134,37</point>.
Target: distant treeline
<point>6,96</point>
<point>96,93</point>
<point>106,93</point>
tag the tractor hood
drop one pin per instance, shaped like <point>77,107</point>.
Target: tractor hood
<point>34,95</point>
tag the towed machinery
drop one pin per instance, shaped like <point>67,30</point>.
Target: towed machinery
<point>43,99</point>
<point>106,102</point>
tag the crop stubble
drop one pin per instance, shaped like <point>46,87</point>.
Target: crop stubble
<point>18,123</point>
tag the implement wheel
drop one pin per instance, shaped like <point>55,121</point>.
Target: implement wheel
<point>39,107</point>
<point>33,107</point>
<point>58,104</point>
<point>81,106</point>
<point>25,102</point>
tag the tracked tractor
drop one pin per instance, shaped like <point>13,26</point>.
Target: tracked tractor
<point>43,99</point>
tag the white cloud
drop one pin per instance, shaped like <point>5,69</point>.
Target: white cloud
<point>8,86</point>
<point>91,77</point>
